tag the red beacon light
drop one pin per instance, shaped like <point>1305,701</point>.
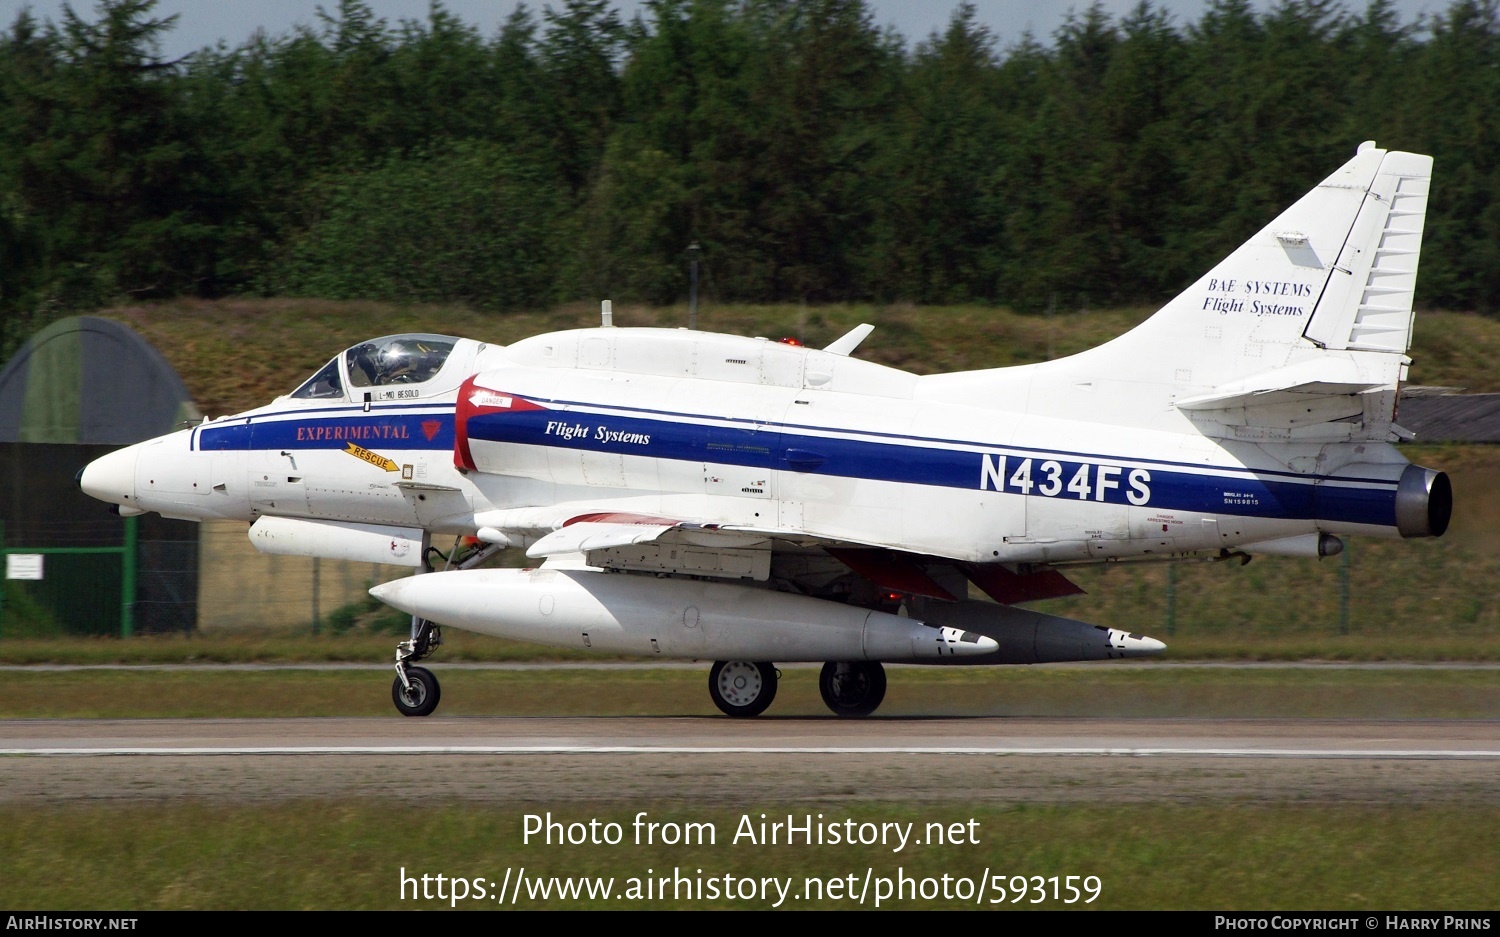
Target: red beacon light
<point>790,341</point>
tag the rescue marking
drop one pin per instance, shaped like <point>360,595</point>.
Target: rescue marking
<point>374,458</point>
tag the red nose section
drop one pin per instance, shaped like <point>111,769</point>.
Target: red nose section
<point>476,402</point>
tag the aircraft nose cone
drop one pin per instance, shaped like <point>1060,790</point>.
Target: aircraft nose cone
<point>111,477</point>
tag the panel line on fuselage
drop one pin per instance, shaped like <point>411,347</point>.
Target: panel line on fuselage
<point>577,406</point>
<point>1093,479</point>
<point>1061,475</point>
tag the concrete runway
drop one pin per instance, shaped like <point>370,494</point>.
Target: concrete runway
<point>548,760</point>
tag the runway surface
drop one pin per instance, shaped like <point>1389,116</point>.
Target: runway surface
<point>636,759</point>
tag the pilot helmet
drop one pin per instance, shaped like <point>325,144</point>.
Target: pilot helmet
<point>409,361</point>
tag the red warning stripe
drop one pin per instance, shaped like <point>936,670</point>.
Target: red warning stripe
<point>474,400</point>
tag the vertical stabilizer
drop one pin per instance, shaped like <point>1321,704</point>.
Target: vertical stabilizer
<point>1367,302</point>
<point>1305,324</point>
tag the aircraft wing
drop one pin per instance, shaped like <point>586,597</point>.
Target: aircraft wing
<point>639,541</point>
<point>601,531</point>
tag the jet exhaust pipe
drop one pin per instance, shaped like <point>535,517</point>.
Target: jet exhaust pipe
<point>680,618</point>
<point>1424,502</point>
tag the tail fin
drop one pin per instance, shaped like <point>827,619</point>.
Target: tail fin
<point>1367,302</point>
<point>1316,308</point>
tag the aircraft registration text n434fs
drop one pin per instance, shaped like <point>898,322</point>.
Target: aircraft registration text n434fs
<point>736,500</point>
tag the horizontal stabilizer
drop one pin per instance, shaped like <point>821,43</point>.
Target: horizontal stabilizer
<point>1278,395</point>
<point>1324,377</point>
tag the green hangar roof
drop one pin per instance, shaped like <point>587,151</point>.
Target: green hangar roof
<point>91,381</point>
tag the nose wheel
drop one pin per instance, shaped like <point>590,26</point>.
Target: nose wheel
<point>742,688</point>
<point>415,691</point>
<point>419,695</point>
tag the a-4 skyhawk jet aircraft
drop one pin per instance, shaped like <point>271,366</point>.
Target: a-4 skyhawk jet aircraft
<point>743,501</point>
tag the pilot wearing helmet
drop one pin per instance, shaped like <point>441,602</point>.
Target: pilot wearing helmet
<point>408,361</point>
<point>398,360</point>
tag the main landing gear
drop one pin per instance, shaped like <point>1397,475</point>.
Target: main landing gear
<point>745,688</point>
<point>852,688</point>
<point>742,688</point>
<point>415,690</point>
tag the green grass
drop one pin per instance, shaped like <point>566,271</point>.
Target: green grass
<point>307,855</point>
<point>265,646</point>
<point>1119,689</point>
<point>1192,641</point>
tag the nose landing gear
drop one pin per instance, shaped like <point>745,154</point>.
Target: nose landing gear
<point>415,690</point>
<point>420,694</point>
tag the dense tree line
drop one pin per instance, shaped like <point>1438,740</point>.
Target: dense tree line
<point>811,155</point>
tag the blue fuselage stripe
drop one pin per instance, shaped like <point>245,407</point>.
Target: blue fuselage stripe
<point>774,448</point>
<point>377,429</point>
<point>1239,492</point>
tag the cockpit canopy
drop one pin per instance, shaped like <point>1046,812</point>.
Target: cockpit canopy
<point>392,360</point>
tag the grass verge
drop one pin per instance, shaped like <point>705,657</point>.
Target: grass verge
<point>310,855</point>
<point>914,692</point>
<point>243,647</point>
<point>362,648</point>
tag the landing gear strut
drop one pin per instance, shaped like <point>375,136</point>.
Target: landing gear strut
<point>415,690</point>
<point>742,688</point>
<point>852,688</point>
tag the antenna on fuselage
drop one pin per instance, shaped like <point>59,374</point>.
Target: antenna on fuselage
<point>607,314</point>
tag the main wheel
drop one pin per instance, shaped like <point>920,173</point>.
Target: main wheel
<point>852,688</point>
<point>423,695</point>
<point>742,687</point>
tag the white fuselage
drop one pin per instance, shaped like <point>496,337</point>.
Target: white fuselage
<point>752,434</point>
